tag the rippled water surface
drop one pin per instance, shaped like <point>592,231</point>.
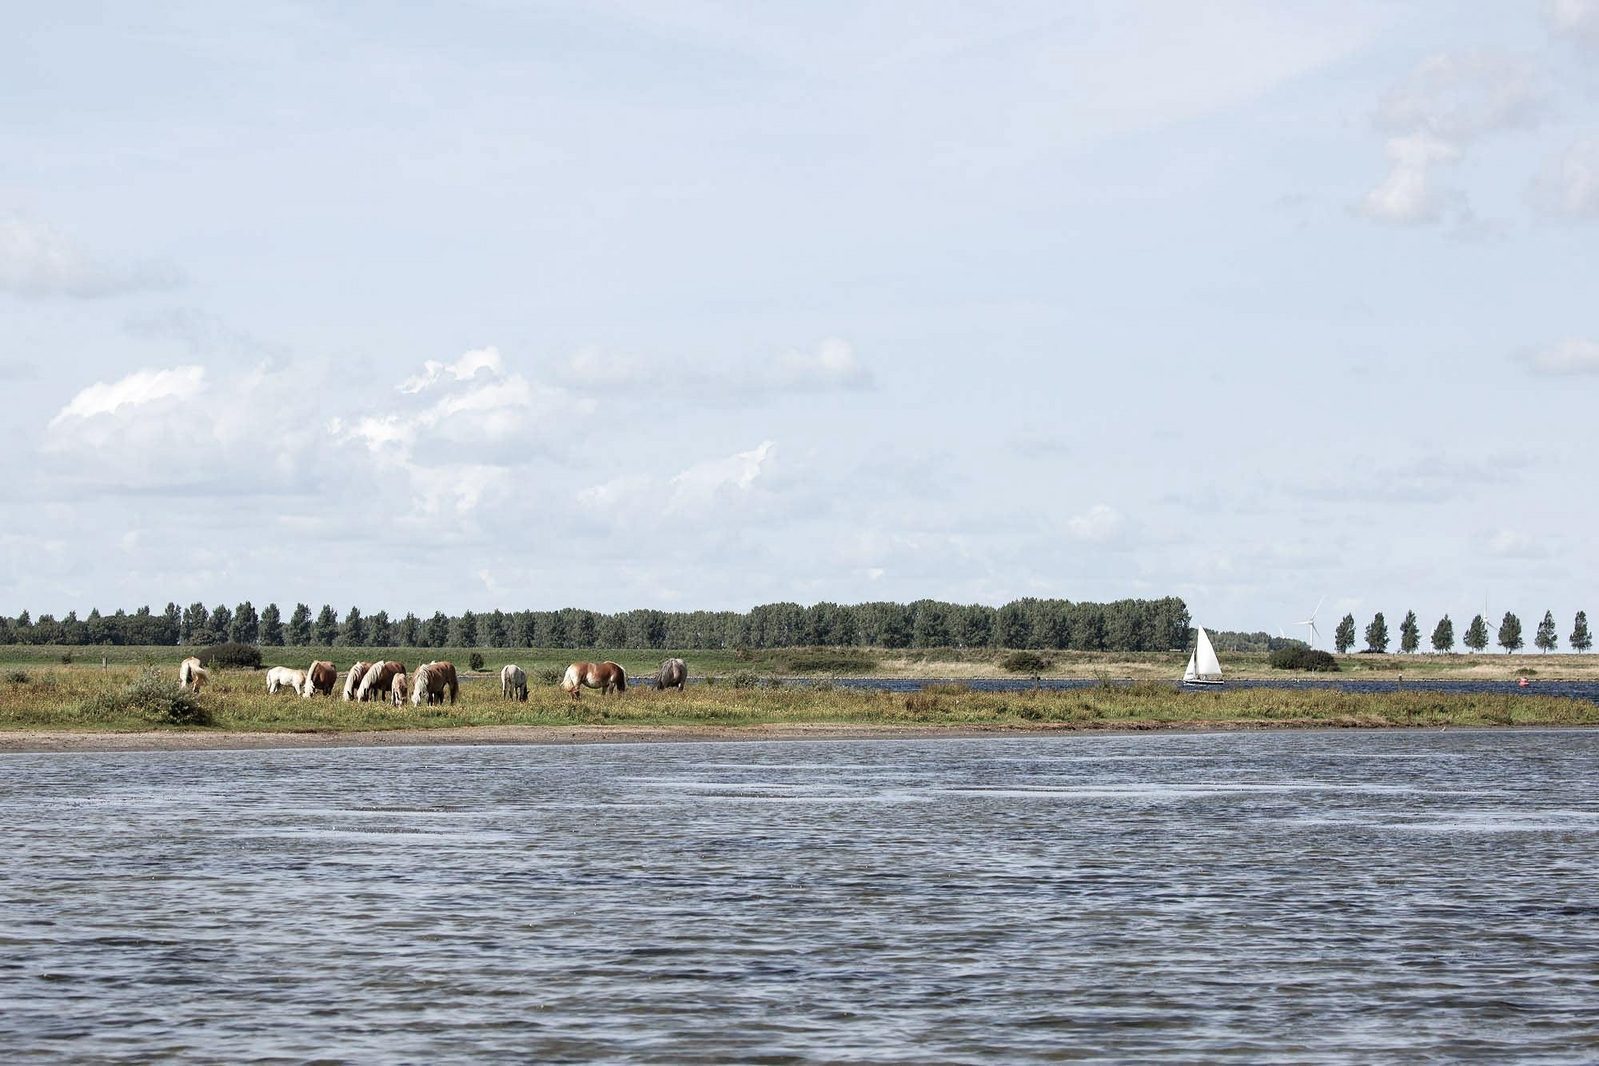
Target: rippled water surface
<point>1300,897</point>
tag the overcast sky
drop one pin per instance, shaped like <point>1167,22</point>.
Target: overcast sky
<point>692,305</point>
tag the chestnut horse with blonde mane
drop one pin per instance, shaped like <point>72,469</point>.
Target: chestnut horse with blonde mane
<point>433,682</point>
<point>320,678</point>
<point>606,677</point>
<point>378,682</point>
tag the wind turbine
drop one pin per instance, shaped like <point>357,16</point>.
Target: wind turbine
<point>1311,622</point>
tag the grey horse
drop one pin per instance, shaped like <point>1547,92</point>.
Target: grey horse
<point>672,674</point>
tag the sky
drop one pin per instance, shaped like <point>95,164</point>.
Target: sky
<point>694,305</point>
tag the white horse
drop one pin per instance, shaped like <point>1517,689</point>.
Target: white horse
<point>400,690</point>
<point>188,671</point>
<point>513,682</point>
<point>281,677</point>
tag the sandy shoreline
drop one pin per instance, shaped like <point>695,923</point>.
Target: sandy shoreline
<point>55,740</point>
<point>38,741</point>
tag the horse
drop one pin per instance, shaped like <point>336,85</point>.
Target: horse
<point>379,678</point>
<point>513,682</point>
<point>399,690</point>
<point>187,671</point>
<point>433,682</point>
<point>320,679</point>
<point>281,677</point>
<point>352,680</point>
<point>604,676</point>
<point>672,674</point>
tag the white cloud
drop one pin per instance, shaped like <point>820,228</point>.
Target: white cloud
<point>1513,544</point>
<point>1408,194</point>
<point>1574,355</point>
<point>708,481</point>
<point>137,389</point>
<point>1446,104</point>
<point>832,365</point>
<point>701,491</point>
<point>463,369</point>
<point>1578,19</point>
<point>183,429</point>
<point>1100,523</point>
<point>1569,184</point>
<point>36,260</point>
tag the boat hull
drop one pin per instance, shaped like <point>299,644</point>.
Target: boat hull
<point>1202,683</point>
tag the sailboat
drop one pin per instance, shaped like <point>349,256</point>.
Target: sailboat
<point>1203,666</point>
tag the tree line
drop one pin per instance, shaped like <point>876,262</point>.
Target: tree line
<point>1124,625</point>
<point>1509,636</point>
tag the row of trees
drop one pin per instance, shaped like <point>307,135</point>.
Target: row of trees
<point>1125,625</point>
<point>1475,638</point>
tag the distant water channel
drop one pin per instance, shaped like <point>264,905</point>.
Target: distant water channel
<point>1580,690</point>
<point>1303,897</point>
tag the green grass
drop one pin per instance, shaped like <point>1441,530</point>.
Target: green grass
<point>89,698</point>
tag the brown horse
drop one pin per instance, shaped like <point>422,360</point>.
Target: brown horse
<point>672,674</point>
<point>606,677</point>
<point>378,682</point>
<point>320,679</point>
<point>433,682</point>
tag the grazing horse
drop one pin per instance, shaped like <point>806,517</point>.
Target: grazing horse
<point>187,671</point>
<point>433,682</point>
<point>352,680</point>
<point>320,679</point>
<point>513,682</point>
<point>604,676</point>
<point>672,674</point>
<point>399,690</point>
<point>379,679</point>
<point>281,677</point>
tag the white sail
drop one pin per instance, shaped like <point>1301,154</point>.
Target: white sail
<point>1203,666</point>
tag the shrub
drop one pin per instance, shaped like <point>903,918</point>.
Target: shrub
<point>17,677</point>
<point>153,698</point>
<point>1299,657</point>
<point>1025,662</point>
<point>551,676</point>
<point>709,680</point>
<point>743,679</point>
<point>475,660</point>
<point>66,657</point>
<point>231,654</point>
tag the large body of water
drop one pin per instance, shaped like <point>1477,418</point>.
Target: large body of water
<point>1299,897</point>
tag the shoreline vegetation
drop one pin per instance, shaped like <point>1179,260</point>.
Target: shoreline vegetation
<point>132,702</point>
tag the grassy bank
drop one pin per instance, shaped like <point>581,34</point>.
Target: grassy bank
<point>90,698</point>
<point>851,662</point>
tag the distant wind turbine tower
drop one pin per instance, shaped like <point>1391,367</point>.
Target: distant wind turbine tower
<point>1311,622</point>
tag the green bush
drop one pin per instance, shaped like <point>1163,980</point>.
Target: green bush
<point>231,654</point>
<point>1025,662</point>
<point>151,697</point>
<point>550,677</point>
<point>475,660</point>
<point>1299,657</point>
